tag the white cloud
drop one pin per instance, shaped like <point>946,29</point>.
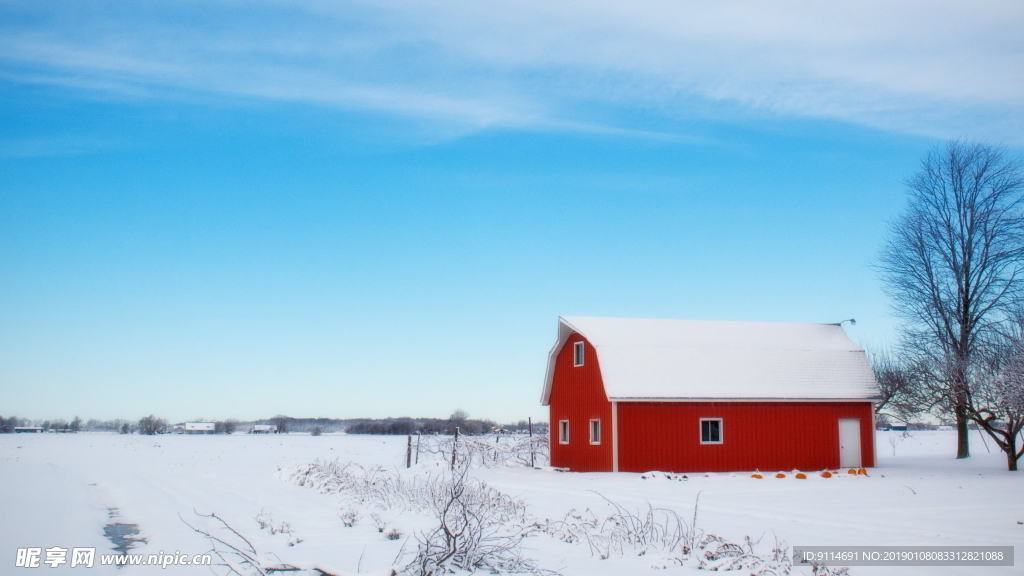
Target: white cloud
<point>922,66</point>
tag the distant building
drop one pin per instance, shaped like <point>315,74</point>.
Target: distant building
<point>28,430</point>
<point>634,395</point>
<point>264,429</point>
<point>898,426</point>
<point>200,427</point>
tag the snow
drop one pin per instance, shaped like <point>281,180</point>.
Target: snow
<point>696,359</point>
<point>59,490</point>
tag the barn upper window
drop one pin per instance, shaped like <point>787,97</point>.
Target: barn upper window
<point>577,354</point>
<point>563,431</point>
<point>710,430</point>
<point>595,431</point>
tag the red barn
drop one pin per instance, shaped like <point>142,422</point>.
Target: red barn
<point>700,396</point>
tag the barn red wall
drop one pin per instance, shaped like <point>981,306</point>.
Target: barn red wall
<point>577,395</point>
<point>769,436</point>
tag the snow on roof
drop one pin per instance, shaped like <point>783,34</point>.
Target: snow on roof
<point>700,359</point>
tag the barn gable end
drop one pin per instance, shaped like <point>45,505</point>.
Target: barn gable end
<point>577,395</point>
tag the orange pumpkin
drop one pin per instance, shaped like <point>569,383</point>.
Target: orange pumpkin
<point>801,476</point>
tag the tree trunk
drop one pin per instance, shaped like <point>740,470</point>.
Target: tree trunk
<point>455,446</point>
<point>963,449</point>
<point>1011,454</point>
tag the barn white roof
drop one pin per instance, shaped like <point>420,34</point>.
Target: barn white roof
<point>644,359</point>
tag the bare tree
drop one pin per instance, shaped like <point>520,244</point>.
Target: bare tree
<point>901,383</point>
<point>998,398</point>
<point>8,425</point>
<point>458,419</point>
<point>953,263</point>
<point>152,425</point>
<point>225,427</point>
<point>281,421</point>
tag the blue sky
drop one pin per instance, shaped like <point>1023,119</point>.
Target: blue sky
<point>237,209</point>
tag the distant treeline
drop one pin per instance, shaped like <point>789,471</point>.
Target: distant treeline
<point>153,425</point>
<point>420,426</point>
<point>401,426</point>
<point>7,425</point>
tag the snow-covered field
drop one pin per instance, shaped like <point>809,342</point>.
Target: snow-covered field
<point>61,490</point>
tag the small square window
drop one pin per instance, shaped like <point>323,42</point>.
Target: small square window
<point>710,430</point>
<point>577,354</point>
<point>595,431</point>
<point>563,431</point>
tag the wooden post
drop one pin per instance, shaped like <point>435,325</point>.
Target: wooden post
<point>529,423</point>
<point>408,453</point>
<point>418,437</point>
<point>455,446</point>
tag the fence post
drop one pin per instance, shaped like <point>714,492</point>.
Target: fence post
<point>408,453</point>
<point>529,422</point>
<point>455,446</point>
<point>418,436</point>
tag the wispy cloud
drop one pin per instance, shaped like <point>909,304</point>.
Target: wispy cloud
<point>919,66</point>
<point>62,145</point>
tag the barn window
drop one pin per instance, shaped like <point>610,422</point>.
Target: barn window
<point>595,431</point>
<point>577,354</point>
<point>563,431</point>
<point>710,430</point>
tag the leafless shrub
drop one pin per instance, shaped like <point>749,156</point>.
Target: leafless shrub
<point>349,516</point>
<point>894,441</point>
<point>394,534</point>
<point>263,520</point>
<point>389,490</point>
<point>573,528</point>
<point>670,539</point>
<point>477,529</point>
<point>817,570</point>
<point>266,522</point>
<point>478,526</point>
<point>640,532</point>
<point>717,554</point>
<point>481,451</point>
<point>239,557</point>
<point>234,551</point>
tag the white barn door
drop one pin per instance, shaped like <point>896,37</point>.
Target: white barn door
<point>849,442</point>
